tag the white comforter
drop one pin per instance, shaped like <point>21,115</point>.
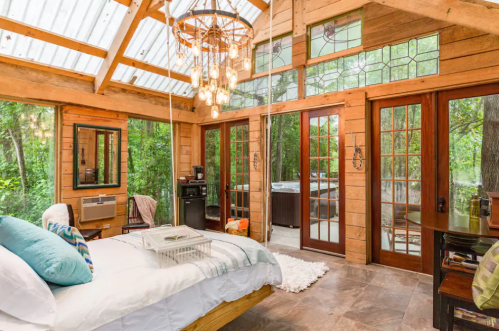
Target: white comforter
<point>127,280</point>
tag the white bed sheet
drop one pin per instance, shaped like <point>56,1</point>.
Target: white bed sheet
<point>183,308</point>
<point>129,291</point>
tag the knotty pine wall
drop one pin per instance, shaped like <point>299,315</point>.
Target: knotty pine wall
<point>82,115</point>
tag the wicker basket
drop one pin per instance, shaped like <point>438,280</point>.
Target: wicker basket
<point>238,232</point>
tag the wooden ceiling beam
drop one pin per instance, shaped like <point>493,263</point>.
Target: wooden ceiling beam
<point>154,69</point>
<point>46,68</point>
<point>260,4</point>
<point>146,90</point>
<point>50,37</point>
<point>154,7</point>
<point>469,14</point>
<point>120,43</point>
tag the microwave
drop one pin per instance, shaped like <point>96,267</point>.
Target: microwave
<point>191,190</point>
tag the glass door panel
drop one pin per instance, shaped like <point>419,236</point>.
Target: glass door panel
<point>400,146</point>
<point>238,174</point>
<point>403,139</point>
<point>323,212</point>
<point>469,145</point>
<point>214,170</point>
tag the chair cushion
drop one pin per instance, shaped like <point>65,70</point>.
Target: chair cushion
<point>73,237</point>
<point>486,281</point>
<point>45,252</point>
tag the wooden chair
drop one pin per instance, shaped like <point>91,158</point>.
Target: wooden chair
<point>134,219</point>
<point>87,234</point>
<point>455,291</point>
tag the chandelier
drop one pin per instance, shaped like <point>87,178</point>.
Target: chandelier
<point>216,39</point>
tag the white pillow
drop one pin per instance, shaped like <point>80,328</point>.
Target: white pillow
<point>24,295</point>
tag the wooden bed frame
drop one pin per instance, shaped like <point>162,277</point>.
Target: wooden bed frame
<point>229,311</point>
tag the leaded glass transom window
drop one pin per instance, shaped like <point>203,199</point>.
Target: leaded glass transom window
<point>414,58</point>
<point>336,34</point>
<point>281,54</point>
<point>254,92</point>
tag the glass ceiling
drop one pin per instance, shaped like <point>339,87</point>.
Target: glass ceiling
<point>96,22</point>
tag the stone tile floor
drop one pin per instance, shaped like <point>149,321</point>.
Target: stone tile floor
<point>348,297</point>
<point>286,236</point>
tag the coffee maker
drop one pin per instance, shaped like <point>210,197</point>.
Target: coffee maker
<point>197,172</point>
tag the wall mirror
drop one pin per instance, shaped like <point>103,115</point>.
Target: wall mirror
<point>96,156</point>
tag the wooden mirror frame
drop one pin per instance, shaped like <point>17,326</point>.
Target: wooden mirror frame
<point>76,159</point>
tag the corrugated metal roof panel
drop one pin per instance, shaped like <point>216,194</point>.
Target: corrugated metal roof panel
<point>96,22</point>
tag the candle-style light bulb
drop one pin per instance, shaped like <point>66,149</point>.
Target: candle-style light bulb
<point>202,93</point>
<point>214,112</point>
<point>195,75</point>
<point>209,98</point>
<point>233,51</point>
<point>247,64</point>
<point>214,71</point>
<point>196,48</point>
<point>180,60</point>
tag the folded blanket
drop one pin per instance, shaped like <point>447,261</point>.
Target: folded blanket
<point>147,208</point>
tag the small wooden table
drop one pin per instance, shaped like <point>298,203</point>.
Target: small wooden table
<point>442,223</point>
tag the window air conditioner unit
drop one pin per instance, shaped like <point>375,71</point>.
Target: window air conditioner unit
<point>97,208</point>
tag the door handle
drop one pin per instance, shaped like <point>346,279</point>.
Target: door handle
<point>226,191</point>
<point>441,205</point>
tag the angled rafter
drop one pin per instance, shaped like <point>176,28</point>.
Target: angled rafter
<point>154,7</point>
<point>155,69</point>
<point>120,43</point>
<point>463,13</point>
<point>260,4</point>
<point>50,37</point>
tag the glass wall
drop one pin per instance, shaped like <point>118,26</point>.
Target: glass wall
<point>281,54</point>
<point>415,58</point>
<point>335,34</point>
<point>27,151</point>
<point>254,92</point>
<point>473,150</point>
<point>149,165</point>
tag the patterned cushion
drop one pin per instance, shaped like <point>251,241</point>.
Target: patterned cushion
<point>486,281</point>
<point>73,237</point>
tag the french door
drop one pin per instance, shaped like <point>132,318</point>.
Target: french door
<point>468,148</point>
<point>237,169</point>
<point>225,160</point>
<point>322,180</point>
<point>403,180</point>
<point>213,165</point>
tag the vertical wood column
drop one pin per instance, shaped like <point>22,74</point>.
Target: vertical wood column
<point>184,149</point>
<point>357,224</point>
<point>257,216</point>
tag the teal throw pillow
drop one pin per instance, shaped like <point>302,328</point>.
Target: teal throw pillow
<point>45,252</point>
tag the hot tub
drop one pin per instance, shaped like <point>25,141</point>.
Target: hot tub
<point>286,204</point>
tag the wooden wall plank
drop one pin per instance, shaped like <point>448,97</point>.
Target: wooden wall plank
<point>76,114</point>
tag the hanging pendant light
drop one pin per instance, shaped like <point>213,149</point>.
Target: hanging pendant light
<point>180,60</point>
<point>196,48</point>
<point>214,112</point>
<point>246,64</point>
<point>216,38</point>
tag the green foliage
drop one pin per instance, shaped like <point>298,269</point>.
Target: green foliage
<point>290,143</point>
<point>465,144</point>
<point>33,127</point>
<point>149,165</point>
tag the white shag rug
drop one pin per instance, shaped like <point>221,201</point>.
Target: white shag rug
<point>298,275</point>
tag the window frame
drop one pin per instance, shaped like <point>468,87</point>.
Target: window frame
<point>263,43</point>
<point>311,26</point>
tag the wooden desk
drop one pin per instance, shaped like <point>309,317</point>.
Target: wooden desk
<point>442,223</point>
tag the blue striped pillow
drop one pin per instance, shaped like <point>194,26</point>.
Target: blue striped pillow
<point>73,237</point>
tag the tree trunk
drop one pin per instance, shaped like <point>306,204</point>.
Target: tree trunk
<point>17,139</point>
<point>278,170</point>
<point>490,146</point>
<point>7,148</point>
<point>132,167</point>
